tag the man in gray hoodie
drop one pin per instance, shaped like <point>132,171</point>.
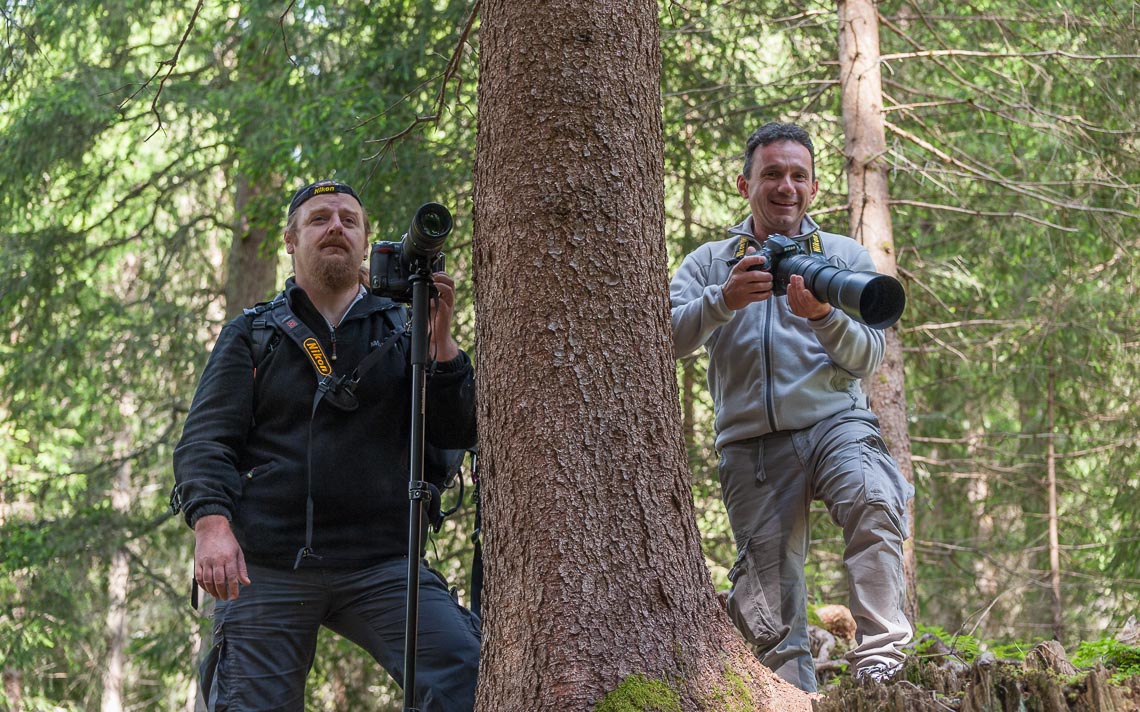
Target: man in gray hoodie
<point>792,421</point>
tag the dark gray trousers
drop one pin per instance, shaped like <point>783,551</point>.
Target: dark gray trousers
<point>265,640</point>
<point>768,484</point>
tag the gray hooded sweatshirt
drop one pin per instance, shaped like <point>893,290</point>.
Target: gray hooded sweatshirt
<point>769,369</point>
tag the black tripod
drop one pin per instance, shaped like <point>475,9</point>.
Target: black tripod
<point>419,493</point>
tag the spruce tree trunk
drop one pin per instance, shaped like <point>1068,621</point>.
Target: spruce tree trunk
<point>1054,523</point>
<point>118,577</point>
<point>870,223</point>
<point>594,572</point>
<point>252,273</point>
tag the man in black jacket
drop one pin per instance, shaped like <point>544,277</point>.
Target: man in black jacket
<point>300,511</point>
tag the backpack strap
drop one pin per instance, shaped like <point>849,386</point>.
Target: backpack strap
<point>262,332</point>
<point>277,316</point>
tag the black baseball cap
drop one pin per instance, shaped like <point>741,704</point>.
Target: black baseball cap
<point>319,188</point>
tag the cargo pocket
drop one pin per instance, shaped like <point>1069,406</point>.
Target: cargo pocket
<point>883,483</point>
<point>754,601</point>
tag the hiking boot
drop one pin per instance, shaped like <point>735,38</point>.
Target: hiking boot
<point>879,672</point>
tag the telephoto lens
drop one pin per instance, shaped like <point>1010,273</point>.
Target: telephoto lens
<point>424,239</point>
<point>874,299</point>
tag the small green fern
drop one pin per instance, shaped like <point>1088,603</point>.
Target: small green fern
<point>1123,660</point>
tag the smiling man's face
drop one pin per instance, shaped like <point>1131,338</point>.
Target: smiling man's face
<point>780,189</point>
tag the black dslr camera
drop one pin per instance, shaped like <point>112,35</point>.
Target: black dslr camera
<point>392,264</point>
<point>874,299</point>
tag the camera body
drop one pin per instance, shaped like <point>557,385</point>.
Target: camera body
<point>390,271</point>
<point>774,250</point>
<point>874,299</point>
<point>392,265</point>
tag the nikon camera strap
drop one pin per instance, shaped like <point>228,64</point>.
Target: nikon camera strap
<point>339,392</point>
<point>814,246</point>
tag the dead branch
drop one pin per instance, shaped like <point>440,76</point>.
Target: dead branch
<point>446,76</point>
<point>170,64</point>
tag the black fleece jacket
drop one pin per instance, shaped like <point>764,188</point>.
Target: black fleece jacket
<point>245,447</point>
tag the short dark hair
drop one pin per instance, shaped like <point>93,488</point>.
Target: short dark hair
<point>772,132</point>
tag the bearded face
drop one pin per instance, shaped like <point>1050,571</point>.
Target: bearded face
<point>329,242</point>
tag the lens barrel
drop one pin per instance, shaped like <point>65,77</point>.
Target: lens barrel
<point>424,239</point>
<point>874,299</point>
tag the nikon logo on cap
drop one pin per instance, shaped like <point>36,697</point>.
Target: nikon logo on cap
<point>319,188</point>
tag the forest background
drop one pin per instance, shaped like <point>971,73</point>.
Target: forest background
<point>149,148</point>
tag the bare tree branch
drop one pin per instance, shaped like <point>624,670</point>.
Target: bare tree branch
<point>450,72</point>
<point>284,39</point>
<point>983,213</point>
<point>1022,189</point>
<point>1005,55</point>
<point>170,64</point>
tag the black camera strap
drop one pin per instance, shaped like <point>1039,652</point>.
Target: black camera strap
<point>814,246</point>
<point>741,249</point>
<point>339,392</point>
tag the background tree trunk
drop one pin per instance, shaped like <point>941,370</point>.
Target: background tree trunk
<point>870,223</point>
<point>594,567</point>
<point>252,273</point>
<point>1054,535</point>
<point>118,576</point>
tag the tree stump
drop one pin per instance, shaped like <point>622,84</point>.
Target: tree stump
<point>987,686</point>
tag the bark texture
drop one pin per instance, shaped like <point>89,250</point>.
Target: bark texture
<point>870,223</point>
<point>252,272</point>
<point>594,571</point>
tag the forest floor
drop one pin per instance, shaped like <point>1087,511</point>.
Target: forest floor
<point>944,673</point>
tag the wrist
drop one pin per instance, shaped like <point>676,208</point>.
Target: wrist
<point>211,523</point>
<point>824,315</point>
<point>445,349</point>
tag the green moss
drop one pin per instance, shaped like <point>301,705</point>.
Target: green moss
<point>734,696</point>
<point>638,693</point>
<point>813,617</point>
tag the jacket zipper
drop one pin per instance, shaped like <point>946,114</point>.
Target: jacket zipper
<point>769,377</point>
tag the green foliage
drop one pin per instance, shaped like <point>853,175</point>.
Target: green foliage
<point>638,693</point>
<point>1014,170</point>
<point>963,646</point>
<point>1122,659</point>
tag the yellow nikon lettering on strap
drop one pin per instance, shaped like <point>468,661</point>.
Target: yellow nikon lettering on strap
<point>741,247</point>
<point>313,348</point>
<point>324,189</point>
<point>815,245</point>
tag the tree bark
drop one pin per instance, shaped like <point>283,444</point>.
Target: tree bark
<point>118,577</point>
<point>13,689</point>
<point>594,572</point>
<point>252,273</point>
<point>1054,534</point>
<point>870,223</point>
